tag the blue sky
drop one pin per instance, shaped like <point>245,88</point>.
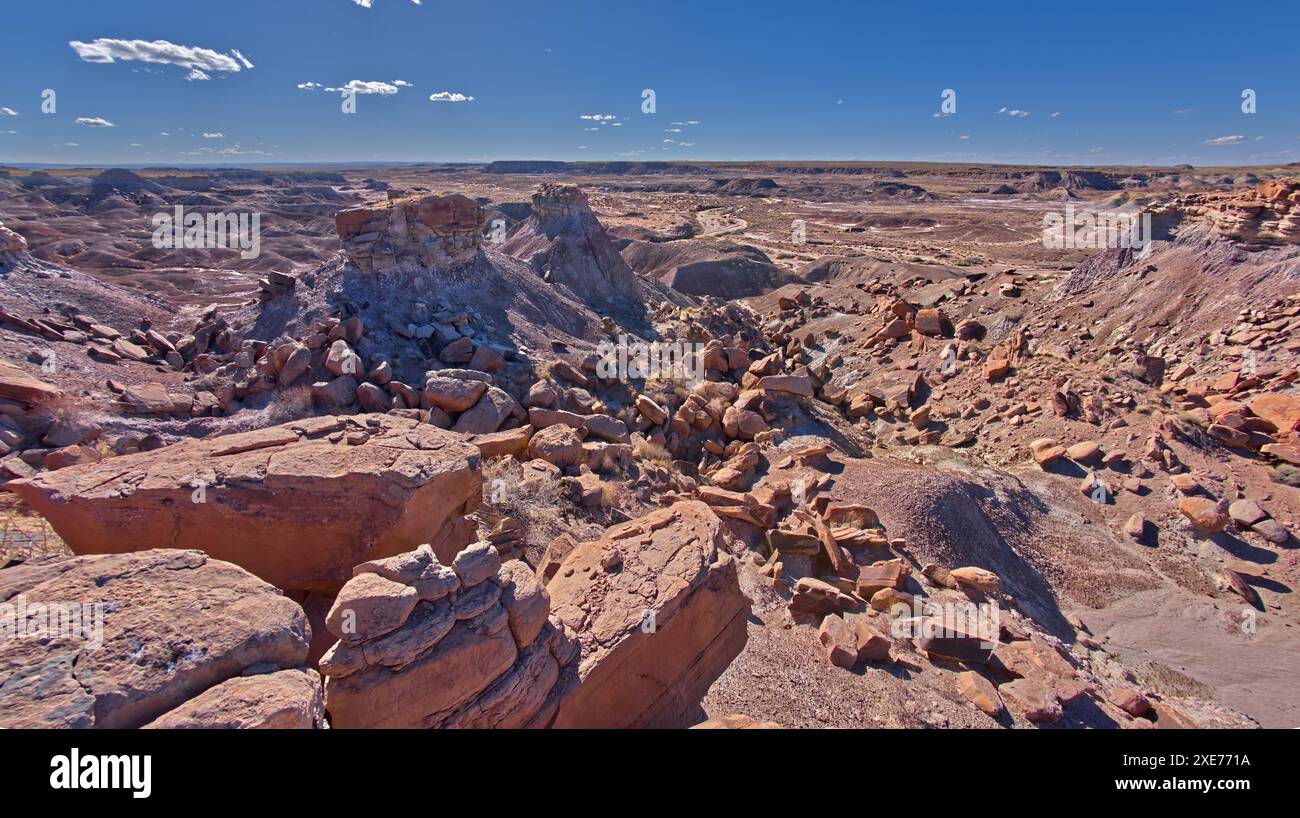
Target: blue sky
<point>1099,83</point>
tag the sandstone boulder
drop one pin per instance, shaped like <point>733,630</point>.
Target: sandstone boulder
<point>657,627</point>
<point>17,385</point>
<point>283,700</point>
<point>297,504</point>
<point>558,445</point>
<point>159,627</point>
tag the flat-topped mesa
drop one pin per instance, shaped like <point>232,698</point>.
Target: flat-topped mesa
<point>1268,214</point>
<point>411,232</point>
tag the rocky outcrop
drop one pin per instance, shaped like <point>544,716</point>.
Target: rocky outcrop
<point>1269,214</point>
<point>409,233</point>
<point>156,636</point>
<point>11,242</point>
<point>657,608</point>
<point>297,504</point>
<point>565,243</point>
<point>654,609</point>
<point>422,644</point>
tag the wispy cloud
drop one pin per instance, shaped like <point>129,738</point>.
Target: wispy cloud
<point>386,89</point>
<point>1224,140</point>
<point>598,117</point>
<point>94,122</point>
<point>449,96</point>
<point>202,60</point>
<point>217,135</point>
<point>8,112</point>
<point>1016,112</point>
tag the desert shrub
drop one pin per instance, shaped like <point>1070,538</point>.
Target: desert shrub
<point>282,406</point>
<point>649,450</point>
<point>542,504</point>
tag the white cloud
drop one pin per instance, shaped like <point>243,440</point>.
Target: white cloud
<point>449,96</point>
<point>217,135</point>
<point>1012,111</point>
<point>196,74</point>
<point>367,4</point>
<point>692,122</point>
<point>595,128</point>
<point>309,86</point>
<point>135,145</point>
<point>94,122</point>
<point>70,145</point>
<point>598,117</point>
<point>401,83</point>
<point>1097,150</point>
<point>616,124</point>
<point>964,136</point>
<point>670,142</point>
<point>109,50</point>
<point>368,87</point>
<point>687,144</point>
<point>672,130</point>
<point>1055,114</point>
<point>1224,140</point>
<point>8,112</point>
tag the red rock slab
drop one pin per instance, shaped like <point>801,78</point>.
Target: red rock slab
<point>284,700</point>
<point>174,624</point>
<point>16,384</point>
<point>299,514</point>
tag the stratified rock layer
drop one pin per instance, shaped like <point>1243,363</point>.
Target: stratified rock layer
<point>418,231</point>
<point>475,651</point>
